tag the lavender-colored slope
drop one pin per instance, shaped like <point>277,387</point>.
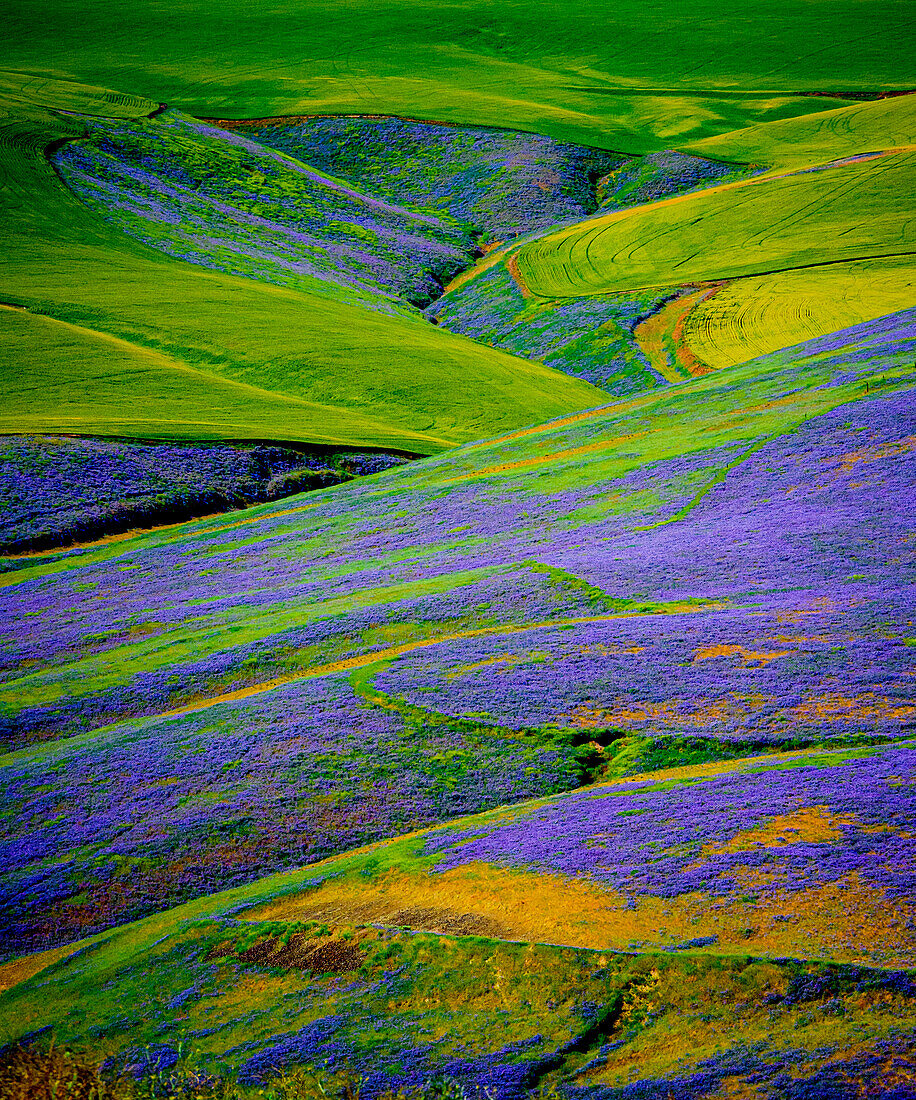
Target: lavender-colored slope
<point>55,490</point>
<point>667,839</point>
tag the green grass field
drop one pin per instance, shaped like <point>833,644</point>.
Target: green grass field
<point>202,354</point>
<point>284,364</point>
<point>814,139</point>
<point>621,76</point>
<point>752,227</point>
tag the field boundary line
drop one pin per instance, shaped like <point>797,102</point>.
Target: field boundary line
<point>348,664</point>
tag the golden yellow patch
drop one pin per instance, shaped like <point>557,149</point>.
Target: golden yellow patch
<point>835,706</point>
<point>20,970</point>
<point>610,650</point>
<point>847,920</point>
<point>812,825</point>
<point>748,656</point>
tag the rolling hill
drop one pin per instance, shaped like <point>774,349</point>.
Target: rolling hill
<point>559,741</point>
<point>280,363</point>
<point>670,613</point>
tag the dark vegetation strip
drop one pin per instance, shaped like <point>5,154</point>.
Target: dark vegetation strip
<point>56,491</point>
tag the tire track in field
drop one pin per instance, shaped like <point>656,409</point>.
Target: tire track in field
<point>571,250</point>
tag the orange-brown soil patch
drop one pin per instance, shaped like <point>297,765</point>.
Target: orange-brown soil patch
<point>836,707</point>
<point>661,337</point>
<point>698,713</point>
<point>872,454</point>
<point>512,268</point>
<point>812,825</point>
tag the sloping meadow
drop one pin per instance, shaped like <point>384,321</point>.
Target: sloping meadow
<point>105,335</point>
<point>574,761</point>
<point>719,877</point>
<point>612,592</point>
<point>706,263</point>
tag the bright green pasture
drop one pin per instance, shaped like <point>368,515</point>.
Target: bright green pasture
<point>625,73</point>
<point>281,363</point>
<point>747,228</point>
<point>74,379</point>
<point>814,139</point>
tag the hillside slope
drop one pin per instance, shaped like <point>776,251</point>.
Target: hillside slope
<point>532,611</point>
<point>162,348</point>
<point>715,263</point>
<point>678,608</point>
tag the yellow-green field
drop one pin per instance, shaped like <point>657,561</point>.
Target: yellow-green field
<point>284,364</point>
<point>766,224</point>
<point>751,317</point>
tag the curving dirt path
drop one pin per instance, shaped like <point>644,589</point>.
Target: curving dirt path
<point>361,660</point>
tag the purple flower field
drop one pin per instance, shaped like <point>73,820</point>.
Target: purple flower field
<point>214,198</point>
<point>661,175</point>
<point>767,675</point>
<point>677,837</point>
<point>107,828</point>
<point>589,337</point>
<point>505,183</point>
<point>55,490</point>
<point>816,522</point>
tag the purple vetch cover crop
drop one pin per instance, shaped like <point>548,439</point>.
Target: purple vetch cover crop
<point>590,337</point>
<point>503,182</point>
<point>819,518</point>
<point>55,489</point>
<point>677,837</point>
<point>766,675</point>
<point>509,597</point>
<point>662,175</point>
<point>219,200</point>
<point>105,828</point>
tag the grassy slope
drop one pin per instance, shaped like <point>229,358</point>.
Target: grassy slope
<point>311,353</point>
<point>288,364</point>
<point>770,223</point>
<point>468,1003</point>
<point>564,71</point>
<point>789,243</point>
<point>396,555</point>
<point>815,139</point>
<point>376,998</point>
